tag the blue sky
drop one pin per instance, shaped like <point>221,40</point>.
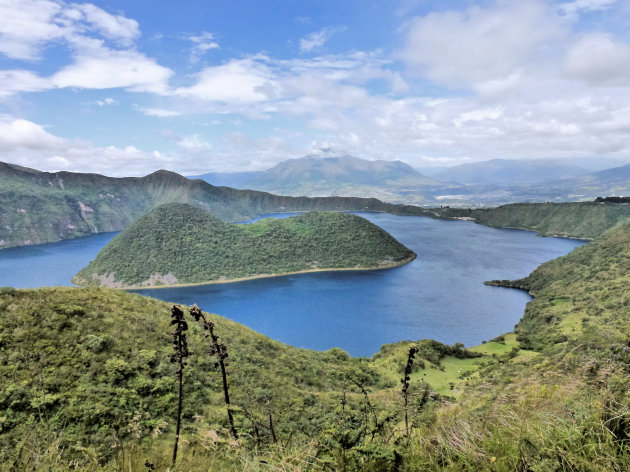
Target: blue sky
<point>125,88</point>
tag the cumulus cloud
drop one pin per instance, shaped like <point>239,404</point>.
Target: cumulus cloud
<point>93,36</point>
<point>317,39</point>
<point>29,144</point>
<point>240,81</point>
<point>108,68</point>
<point>599,59</point>
<point>28,26</point>
<point>478,45</point>
<point>24,134</point>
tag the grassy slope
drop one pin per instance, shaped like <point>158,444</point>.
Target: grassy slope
<point>584,220</point>
<point>583,295</point>
<point>197,247</point>
<point>86,373</point>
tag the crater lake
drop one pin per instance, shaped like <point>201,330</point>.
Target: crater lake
<point>440,295</point>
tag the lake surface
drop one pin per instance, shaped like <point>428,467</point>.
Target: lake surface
<point>440,295</point>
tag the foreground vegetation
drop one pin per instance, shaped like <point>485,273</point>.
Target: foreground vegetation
<point>192,246</point>
<point>87,382</point>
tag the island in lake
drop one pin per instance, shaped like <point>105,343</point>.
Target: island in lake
<point>178,244</point>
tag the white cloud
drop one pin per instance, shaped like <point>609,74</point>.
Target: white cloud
<point>194,143</point>
<point>111,26</point>
<point>107,102</point>
<point>237,81</point>
<point>24,134</point>
<point>159,112</point>
<point>479,45</point>
<point>599,59</point>
<point>576,6</point>
<point>317,39</point>
<point>478,115</point>
<point>29,144</point>
<point>13,81</point>
<point>27,27</point>
<point>104,68</point>
<point>202,43</point>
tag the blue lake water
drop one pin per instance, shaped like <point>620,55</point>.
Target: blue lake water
<point>440,295</point>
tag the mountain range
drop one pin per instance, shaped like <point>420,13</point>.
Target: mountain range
<point>488,183</point>
<point>344,176</point>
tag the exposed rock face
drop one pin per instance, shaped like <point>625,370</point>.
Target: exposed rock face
<point>109,280</point>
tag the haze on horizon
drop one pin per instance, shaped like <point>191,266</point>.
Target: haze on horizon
<point>126,88</point>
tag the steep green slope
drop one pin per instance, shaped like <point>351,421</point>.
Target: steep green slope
<point>583,295</point>
<point>581,220</point>
<point>584,220</point>
<point>39,207</point>
<point>179,243</point>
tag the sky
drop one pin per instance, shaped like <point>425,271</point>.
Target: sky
<point>125,88</point>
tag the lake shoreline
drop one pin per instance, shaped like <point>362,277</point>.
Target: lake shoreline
<point>262,276</point>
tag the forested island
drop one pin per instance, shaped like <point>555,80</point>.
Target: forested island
<point>180,244</point>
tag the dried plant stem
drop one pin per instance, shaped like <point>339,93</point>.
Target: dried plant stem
<point>180,346</point>
<point>405,389</point>
<point>221,351</point>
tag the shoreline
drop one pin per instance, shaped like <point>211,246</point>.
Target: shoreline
<point>260,276</point>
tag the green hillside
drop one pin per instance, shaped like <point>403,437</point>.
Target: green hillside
<point>581,296</point>
<point>86,384</point>
<point>584,220</point>
<point>180,244</point>
<point>580,220</point>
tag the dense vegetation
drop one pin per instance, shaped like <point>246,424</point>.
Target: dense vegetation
<point>581,296</point>
<point>194,246</point>
<point>581,220</point>
<point>584,220</point>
